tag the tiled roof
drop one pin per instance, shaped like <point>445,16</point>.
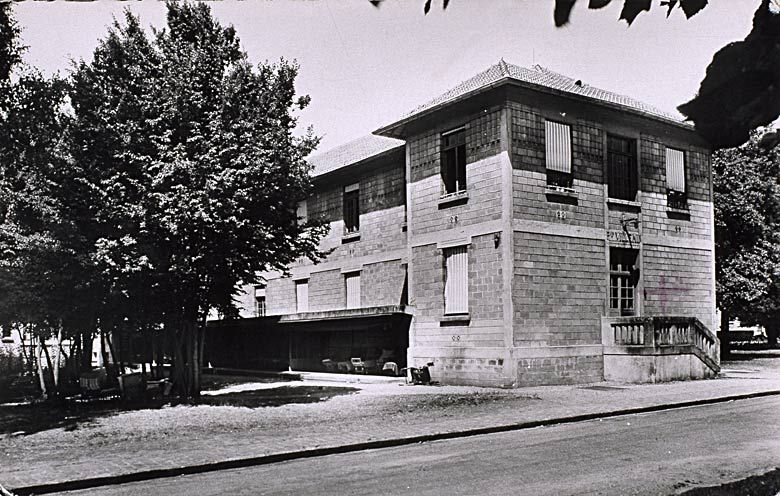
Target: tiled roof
<point>351,152</point>
<point>541,76</point>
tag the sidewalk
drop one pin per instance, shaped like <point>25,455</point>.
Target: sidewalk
<point>181,436</point>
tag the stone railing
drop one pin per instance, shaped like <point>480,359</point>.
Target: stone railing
<point>663,334</point>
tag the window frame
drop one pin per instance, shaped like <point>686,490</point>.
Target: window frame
<point>299,308</point>
<point>623,281</point>
<point>453,306</point>
<point>453,156</point>
<point>260,294</point>
<point>351,209</point>
<point>557,178</point>
<point>347,277</point>
<point>624,190</point>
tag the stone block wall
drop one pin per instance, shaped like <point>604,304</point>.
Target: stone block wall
<point>559,290</point>
<point>483,176</point>
<point>529,176</point>
<point>678,281</point>
<point>466,352</point>
<point>382,283</point>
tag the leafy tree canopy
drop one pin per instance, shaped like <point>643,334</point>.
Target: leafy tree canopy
<point>747,230</point>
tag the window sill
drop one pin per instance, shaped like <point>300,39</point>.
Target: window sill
<point>561,194</point>
<point>678,213</point>
<point>351,237</point>
<point>452,199</point>
<point>624,203</point>
<point>454,319</point>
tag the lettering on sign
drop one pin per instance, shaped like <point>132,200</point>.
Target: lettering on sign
<point>623,237</point>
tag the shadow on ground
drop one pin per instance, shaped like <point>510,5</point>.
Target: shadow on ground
<point>754,352</point>
<point>767,484</point>
<point>31,417</point>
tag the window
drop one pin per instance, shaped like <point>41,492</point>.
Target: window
<point>453,161</point>
<point>6,332</point>
<point>260,300</point>
<point>675,179</point>
<point>302,296</point>
<point>557,140</point>
<point>456,280</point>
<point>623,276</point>
<point>352,283</point>
<point>621,163</point>
<point>352,209</point>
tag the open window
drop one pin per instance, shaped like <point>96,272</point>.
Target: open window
<point>352,209</point>
<point>453,161</point>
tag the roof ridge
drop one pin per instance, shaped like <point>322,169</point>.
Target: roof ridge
<point>539,76</point>
<point>502,65</point>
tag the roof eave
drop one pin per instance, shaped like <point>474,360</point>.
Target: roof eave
<point>393,130</point>
<point>379,155</point>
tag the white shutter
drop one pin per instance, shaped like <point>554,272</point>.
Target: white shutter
<point>353,289</point>
<point>675,170</point>
<point>557,139</point>
<point>302,296</point>
<point>456,283</point>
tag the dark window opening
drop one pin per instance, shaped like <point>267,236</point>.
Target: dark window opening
<point>622,174</point>
<point>559,179</point>
<point>351,211</point>
<point>453,161</point>
<point>623,278</point>
<point>260,306</point>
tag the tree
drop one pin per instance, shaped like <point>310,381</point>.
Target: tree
<point>747,231</point>
<point>741,90</point>
<point>192,171</point>
<point>41,264</point>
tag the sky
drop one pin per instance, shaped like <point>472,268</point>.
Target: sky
<point>364,66</point>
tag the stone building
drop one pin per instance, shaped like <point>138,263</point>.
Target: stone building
<point>523,228</point>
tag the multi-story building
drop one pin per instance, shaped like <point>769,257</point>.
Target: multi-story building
<point>522,228</point>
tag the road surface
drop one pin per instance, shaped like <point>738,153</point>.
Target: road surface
<point>656,453</point>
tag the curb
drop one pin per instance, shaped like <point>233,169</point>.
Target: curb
<point>349,448</point>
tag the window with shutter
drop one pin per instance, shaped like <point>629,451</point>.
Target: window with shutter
<point>352,283</point>
<point>302,296</point>
<point>557,144</point>
<point>675,179</point>
<point>456,280</point>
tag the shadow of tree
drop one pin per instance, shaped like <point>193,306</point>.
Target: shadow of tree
<point>29,418</point>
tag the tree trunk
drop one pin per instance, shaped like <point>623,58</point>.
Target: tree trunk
<point>39,366</point>
<point>86,351</point>
<point>103,351</point>
<point>725,344</point>
<point>56,369</point>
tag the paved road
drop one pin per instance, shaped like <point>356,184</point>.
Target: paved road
<point>656,453</point>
